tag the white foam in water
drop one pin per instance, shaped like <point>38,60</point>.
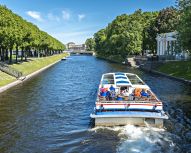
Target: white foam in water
<point>104,127</point>
<point>141,139</point>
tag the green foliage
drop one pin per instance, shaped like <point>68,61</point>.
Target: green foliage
<point>17,33</point>
<point>185,24</point>
<point>90,44</point>
<point>124,36</point>
<point>132,34</point>
<point>166,21</point>
<point>99,38</point>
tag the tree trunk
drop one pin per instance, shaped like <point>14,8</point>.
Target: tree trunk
<point>17,50</point>
<point>11,53</point>
<point>22,53</point>
<point>38,53</point>
<point>35,53</point>
<point>26,54</point>
<point>3,54</point>
<point>6,55</point>
<point>0,53</point>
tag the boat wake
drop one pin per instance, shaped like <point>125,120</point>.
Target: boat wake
<point>141,139</point>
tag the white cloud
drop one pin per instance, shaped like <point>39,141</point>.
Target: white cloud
<point>35,15</point>
<point>53,17</point>
<point>81,17</point>
<point>66,15</point>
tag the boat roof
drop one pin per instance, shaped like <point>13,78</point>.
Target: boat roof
<point>123,79</point>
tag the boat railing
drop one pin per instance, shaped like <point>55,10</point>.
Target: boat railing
<point>130,101</point>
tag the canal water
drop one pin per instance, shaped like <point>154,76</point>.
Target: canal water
<point>50,113</point>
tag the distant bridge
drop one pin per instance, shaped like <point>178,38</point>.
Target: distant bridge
<point>80,52</point>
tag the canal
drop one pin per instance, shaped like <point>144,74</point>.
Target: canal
<point>50,113</point>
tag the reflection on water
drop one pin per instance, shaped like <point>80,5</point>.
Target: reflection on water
<point>50,113</point>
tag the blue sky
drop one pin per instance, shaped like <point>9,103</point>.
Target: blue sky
<point>77,20</point>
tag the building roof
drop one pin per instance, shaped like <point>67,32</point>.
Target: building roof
<point>171,36</point>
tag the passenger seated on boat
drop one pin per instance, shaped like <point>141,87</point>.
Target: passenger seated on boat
<point>151,95</point>
<point>131,93</point>
<point>125,92</point>
<point>103,91</point>
<point>112,88</point>
<point>144,93</point>
<point>137,92</point>
<point>108,95</point>
<point>119,97</point>
<point>112,95</point>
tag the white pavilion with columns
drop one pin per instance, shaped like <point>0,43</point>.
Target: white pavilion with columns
<point>166,43</point>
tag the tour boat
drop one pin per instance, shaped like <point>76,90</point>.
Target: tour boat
<point>123,98</point>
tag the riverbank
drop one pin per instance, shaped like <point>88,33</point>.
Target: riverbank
<point>30,68</point>
<point>178,70</point>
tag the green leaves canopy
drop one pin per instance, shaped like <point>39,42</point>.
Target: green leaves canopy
<point>15,31</point>
<point>90,44</point>
<point>185,24</point>
<point>132,34</point>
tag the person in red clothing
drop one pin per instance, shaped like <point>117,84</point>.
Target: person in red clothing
<point>103,91</point>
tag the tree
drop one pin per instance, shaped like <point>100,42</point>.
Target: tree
<point>148,23</point>
<point>185,24</point>
<point>134,33</point>
<point>90,44</point>
<point>16,33</point>
<point>166,21</point>
<point>99,38</point>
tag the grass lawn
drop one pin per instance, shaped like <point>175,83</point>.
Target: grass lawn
<point>181,69</point>
<point>5,79</point>
<point>32,65</point>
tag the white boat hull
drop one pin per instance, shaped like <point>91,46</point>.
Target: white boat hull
<point>152,119</point>
<point>114,121</point>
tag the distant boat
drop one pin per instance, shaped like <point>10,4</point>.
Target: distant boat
<point>123,98</point>
<point>64,58</point>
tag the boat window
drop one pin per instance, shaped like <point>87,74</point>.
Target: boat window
<point>135,80</point>
<point>108,79</point>
<point>120,77</point>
